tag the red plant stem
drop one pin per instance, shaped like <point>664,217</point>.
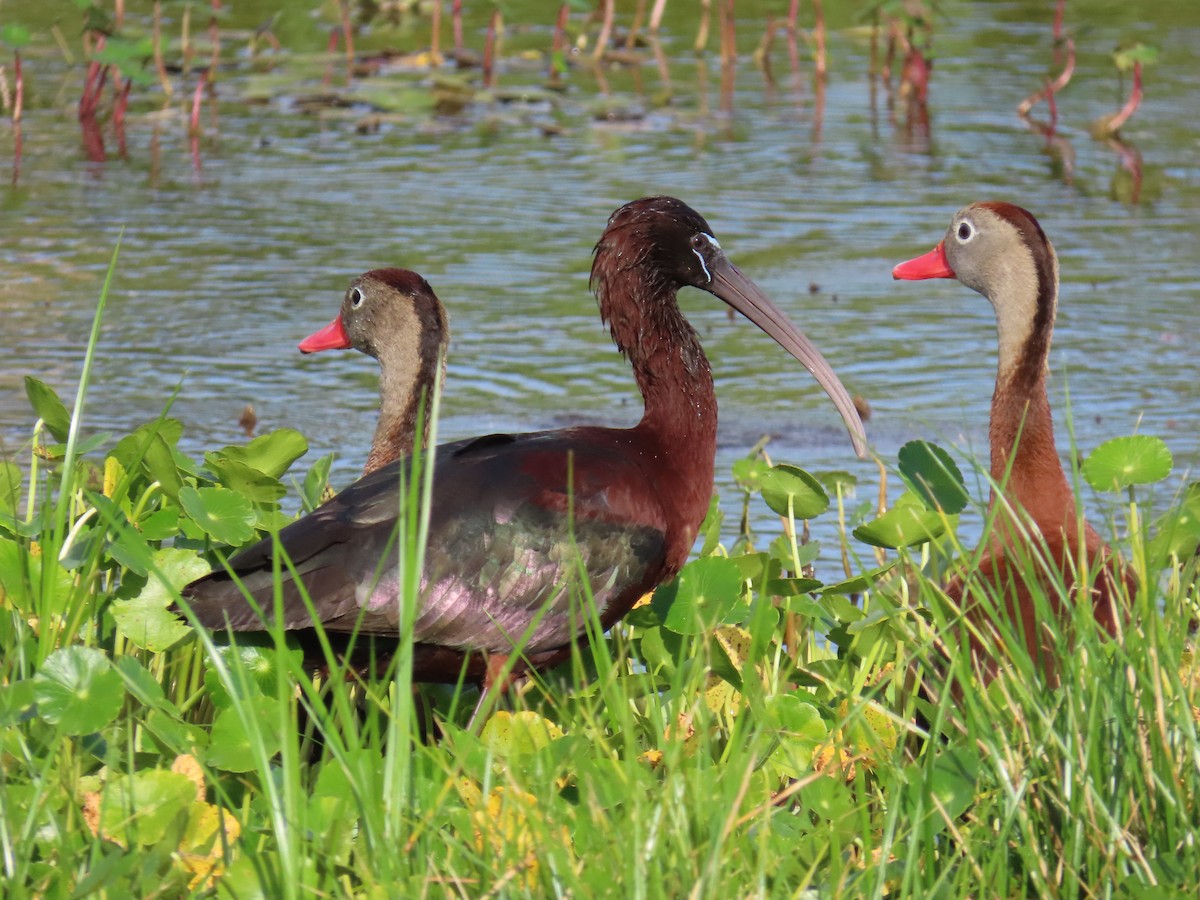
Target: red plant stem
<point>119,13</point>
<point>1052,87</point>
<point>819,37</point>
<point>456,16</point>
<point>197,99</point>
<point>489,50</point>
<point>17,144</point>
<point>330,48</point>
<point>608,9</point>
<point>120,108</point>
<point>1135,98</point>
<point>1052,105</point>
<point>347,29</point>
<point>1059,10</point>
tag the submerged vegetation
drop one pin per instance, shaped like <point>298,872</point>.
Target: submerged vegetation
<point>757,728</point>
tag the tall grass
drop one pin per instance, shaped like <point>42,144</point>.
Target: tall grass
<point>770,751</point>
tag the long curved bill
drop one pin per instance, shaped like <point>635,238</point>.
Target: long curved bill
<point>931,265</point>
<point>332,337</point>
<point>748,298</point>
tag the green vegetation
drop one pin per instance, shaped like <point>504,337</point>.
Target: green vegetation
<point>748,732</point>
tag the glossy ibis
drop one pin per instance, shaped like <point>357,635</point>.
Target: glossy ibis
<point>517,522</point>
<point>1000,251</point>
<point>394,316</point>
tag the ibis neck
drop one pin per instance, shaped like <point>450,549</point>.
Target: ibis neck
<point>673,375</point>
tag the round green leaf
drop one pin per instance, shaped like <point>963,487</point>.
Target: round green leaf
<point>749,473</point>
<point>783,483</point>
<point>144,806</point>
<point>16,36</point>
<point>78,690</point>
<point>223,515</point>
<point>902,526</point>
<point>930,472</point>
<point>1126,461</point>
<point>232,745</point>
<point>700,597</point>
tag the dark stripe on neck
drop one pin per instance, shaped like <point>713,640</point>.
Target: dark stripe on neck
<point>1031,366</point>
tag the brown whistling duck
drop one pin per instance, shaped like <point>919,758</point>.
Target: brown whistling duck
<point>394,316</point>
<point>1000,251</point>
<point>512,516</point>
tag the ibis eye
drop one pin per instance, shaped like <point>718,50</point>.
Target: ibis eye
<point>965,231</point>
<point>356,297</point>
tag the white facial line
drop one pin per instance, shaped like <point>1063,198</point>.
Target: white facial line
<point>712,240</point>
<point>703,265</point>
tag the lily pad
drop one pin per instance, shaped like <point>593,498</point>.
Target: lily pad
<point>784,483</point>
<point>700,597</point>
<point>932,475</point>
<point>223,515</point>
<point>1126,461</point>
<point>78,690</point>
<point>518,734</point>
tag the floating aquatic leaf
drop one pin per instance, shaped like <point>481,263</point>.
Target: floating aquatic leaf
<point>1177,532</point>
<point>952,780</point>
<point>48,407</point>
<point>15,700</point>
<point>749,473</point>
<point>14,35</point>
<point>141,808</point>
<point>1126,461</point>
<point>904,525</point>
<point>254,670</point>
<point>783,483</point>
<point>244,480</point>
<point>518,734</point>
<point>220,513</point>
<point>272,453</point>
<point>144,619</point>
<point>700,597</point>
<point>78,690</point>
<point>232,745</point>
<point>929,472</point>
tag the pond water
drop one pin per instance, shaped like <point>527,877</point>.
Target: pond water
<point>225,265</point>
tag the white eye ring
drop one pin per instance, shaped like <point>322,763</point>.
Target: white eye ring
<point>356,297</point>
<point>964,232</point>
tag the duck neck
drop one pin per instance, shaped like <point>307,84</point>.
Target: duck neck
<point>1024,456</point>
<point>673,375</point>
<point>403,384</point>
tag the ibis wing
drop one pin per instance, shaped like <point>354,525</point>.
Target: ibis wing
<point>523,532</point>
